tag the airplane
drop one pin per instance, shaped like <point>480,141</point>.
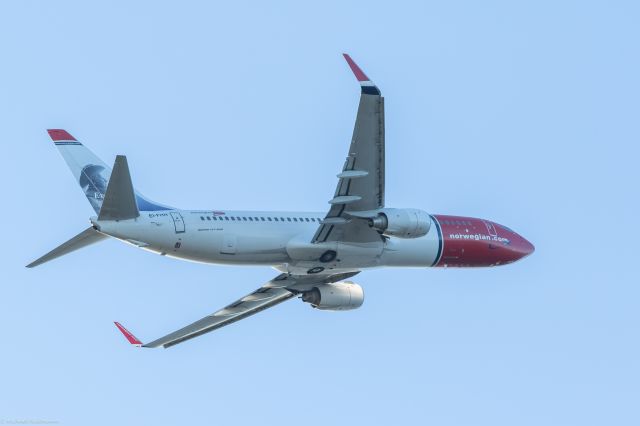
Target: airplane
<point>315,253</point>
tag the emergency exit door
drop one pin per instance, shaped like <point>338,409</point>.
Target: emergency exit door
<point>229,244</point>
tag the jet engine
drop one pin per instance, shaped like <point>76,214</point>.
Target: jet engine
<point>401,223</point>
<point>341,296</point>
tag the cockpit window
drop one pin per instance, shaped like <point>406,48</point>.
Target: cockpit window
<point>505,228</point>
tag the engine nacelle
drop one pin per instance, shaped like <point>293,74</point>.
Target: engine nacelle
<point>335,296</point>
<point>402,223</point>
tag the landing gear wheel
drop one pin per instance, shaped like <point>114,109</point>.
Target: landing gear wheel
<point>328,256</point>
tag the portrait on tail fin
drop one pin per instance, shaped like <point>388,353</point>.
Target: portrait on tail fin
<point>94,184</point>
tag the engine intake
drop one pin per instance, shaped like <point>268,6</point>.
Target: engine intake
<point>401,223</point>
<point>342,296</point>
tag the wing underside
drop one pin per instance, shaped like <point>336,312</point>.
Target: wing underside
<point>361,183</point>
<point>281,288</point>
<point>261,299</point>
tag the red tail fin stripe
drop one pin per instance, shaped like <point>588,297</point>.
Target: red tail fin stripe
<point>60,135</point>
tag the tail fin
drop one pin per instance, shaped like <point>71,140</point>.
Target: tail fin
<point>83,239</point>
<point>92,173</point>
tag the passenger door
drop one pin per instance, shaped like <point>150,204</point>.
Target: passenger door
<point>178,222</point>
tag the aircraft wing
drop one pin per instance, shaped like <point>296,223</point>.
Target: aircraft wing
<point>361,183</point>
<point>281,288</point>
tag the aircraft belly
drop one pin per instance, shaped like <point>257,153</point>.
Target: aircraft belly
<point>233,246</point>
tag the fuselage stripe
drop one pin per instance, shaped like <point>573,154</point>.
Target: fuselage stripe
<point>440,242</point>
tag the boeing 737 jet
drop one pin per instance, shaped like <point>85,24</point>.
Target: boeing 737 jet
<point>315,253</point>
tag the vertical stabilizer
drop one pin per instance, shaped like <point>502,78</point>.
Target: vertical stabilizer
<point>91,172</point>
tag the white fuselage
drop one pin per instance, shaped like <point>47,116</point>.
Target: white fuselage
<point>279,239</point>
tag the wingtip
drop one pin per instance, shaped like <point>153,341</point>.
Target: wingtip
<point>128,335</point>
<point>360,75</point>
<point>57,135</point>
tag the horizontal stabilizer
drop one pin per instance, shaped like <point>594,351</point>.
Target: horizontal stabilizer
<point>120,199</point>
<point>83,239</point>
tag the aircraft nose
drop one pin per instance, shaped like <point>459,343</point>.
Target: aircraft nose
<point>522,247</point>
<point>517,247</point>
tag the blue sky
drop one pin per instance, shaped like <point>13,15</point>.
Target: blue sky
<point>522,112</point>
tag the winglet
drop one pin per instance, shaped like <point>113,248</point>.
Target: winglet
<point>368,87</point>
<point>130,337</point>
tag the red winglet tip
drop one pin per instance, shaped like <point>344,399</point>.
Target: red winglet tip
<point>130,337</point>
<point>361,76</point>
<point>60,135</point>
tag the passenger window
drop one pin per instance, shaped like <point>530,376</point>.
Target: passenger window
<point>295,219</point>
<point>262,219</point>
<point>208,217</point>
<point>214,218</point>
<point>306,219</point>
<point>250,218</point>
<point>233,218</point>
<point>201,217</point>
<point>282,219</point>
<point>256,219</point>
<point>289,219</point>
<point>244,218</point>
<point>226,218</point>
<point>275,218</point>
